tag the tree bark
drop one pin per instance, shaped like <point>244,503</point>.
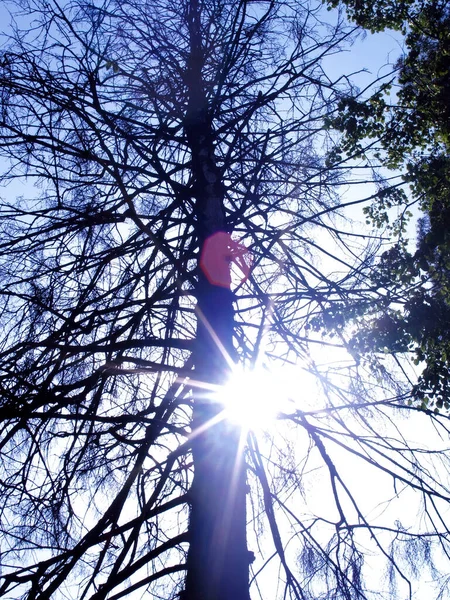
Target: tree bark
<point>218,559</point>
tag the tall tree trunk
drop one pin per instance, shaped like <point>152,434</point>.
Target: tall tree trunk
<point>218,559</point>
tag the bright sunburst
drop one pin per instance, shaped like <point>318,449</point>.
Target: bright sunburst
<point>253,399</point>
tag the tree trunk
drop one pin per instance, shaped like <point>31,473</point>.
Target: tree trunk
<point>218,559</point>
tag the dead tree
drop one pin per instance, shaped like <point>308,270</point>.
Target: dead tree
<point>145,136</point>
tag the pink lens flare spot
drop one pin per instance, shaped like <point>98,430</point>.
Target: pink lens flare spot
<point>220,255</point>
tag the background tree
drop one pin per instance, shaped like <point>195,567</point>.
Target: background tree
<point>413,136</point>
<point>152,131</point>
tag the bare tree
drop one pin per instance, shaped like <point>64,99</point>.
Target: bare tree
<point>166,142</point>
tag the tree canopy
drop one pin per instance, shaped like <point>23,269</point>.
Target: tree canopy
<point>411,133</point>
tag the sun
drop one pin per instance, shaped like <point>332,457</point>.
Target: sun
<point>252,399</point>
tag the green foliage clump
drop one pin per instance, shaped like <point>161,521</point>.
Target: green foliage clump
<point>410,133</point>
